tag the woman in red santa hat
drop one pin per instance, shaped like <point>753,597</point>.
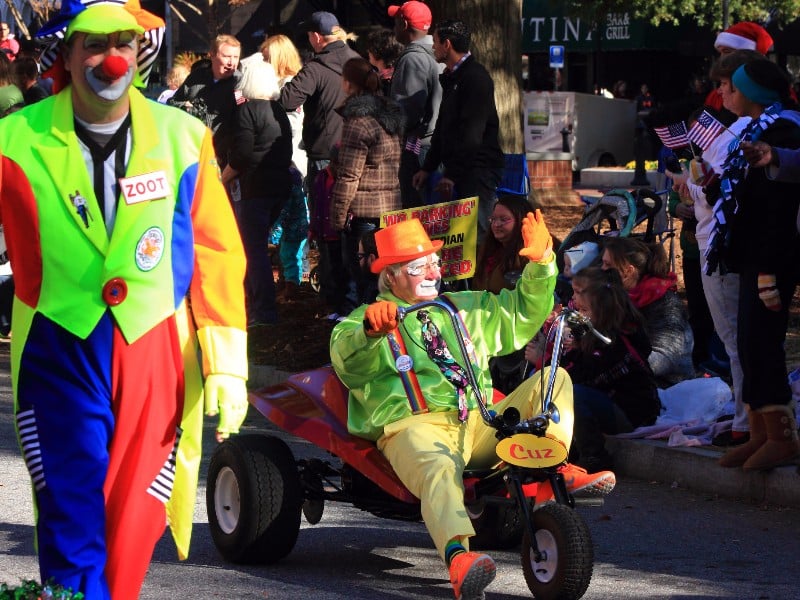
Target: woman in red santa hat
<point>741,36</point>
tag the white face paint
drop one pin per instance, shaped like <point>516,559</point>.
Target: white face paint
<point>427,289</point>
<point>110,91</point>
<point>422,267</point>
<point>418,280</point>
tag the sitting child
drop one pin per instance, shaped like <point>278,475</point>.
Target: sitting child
<point>614,388</point>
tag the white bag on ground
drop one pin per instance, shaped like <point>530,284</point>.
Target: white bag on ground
<point>699,400</point>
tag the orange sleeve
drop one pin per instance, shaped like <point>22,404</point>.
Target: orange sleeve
<point>217,288</point>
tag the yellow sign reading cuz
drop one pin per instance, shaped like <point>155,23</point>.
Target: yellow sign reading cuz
<point>531,451</point>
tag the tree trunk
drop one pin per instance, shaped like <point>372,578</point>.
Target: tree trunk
<point>497,45</point>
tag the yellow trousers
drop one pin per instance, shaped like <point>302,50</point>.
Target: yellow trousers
<point>429,452</point>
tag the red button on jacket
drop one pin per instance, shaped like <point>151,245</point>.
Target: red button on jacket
<point>115,291</point>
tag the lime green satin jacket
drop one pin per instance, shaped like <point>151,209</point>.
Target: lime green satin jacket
<point>497,323</point>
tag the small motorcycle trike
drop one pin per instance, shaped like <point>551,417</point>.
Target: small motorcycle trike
<point>257,490</point>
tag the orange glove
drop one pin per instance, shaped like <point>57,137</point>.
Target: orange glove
<point>380,318</point>
<point>538,241</point>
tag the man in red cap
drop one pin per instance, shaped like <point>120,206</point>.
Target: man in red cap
<point>416,86</point>
<point>408,392</point>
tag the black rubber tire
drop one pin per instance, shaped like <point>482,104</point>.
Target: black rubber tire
<point>567,569</point>
<point>497,528</point>
<point>253,499</point>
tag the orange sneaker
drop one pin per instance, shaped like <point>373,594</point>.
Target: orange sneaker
<point>579,482</point>
<point>470,573</point>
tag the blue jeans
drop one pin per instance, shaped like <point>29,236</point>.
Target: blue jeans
<point>256,217</point>
<point>596,414</point>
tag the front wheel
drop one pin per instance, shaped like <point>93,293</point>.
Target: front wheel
<point>253,499</point>
<point>567,554</point>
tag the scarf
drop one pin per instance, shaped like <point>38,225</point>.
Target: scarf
<point>649,289</point>
<point>734,172</point>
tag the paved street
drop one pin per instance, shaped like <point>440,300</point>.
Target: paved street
<point>651,541</point>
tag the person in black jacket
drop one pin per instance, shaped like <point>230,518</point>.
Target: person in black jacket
<point>465,140</point>
<point>318,89</point>
<point>209,93</point>
<point>260,157</point>
<point>755,234</point>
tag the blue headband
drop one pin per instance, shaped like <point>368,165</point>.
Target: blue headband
<point>755,92</point>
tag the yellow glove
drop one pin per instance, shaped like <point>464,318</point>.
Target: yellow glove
<point>537,239</point>
<point>380,318</point>
<point>226,395</point>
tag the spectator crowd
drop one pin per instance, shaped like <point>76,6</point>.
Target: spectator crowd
<point>314,148</point>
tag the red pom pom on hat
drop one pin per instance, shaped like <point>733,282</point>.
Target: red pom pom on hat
<point>745,36</point>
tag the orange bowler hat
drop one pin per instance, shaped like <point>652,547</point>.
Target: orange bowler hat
<point>402,242</point>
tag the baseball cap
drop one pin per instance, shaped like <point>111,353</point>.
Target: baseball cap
<point>321,22</point>
<point>416,14</point>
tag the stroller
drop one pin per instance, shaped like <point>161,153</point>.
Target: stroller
<point>618,213</point>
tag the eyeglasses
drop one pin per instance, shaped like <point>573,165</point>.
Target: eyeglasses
<point>500,220</point>
<point>421,269</point>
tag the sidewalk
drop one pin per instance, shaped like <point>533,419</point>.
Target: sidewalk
<point>695,468</point>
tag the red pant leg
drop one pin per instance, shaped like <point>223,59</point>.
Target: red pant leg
<point>147,380</point>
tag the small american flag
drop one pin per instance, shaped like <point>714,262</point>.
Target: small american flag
<point>704,130</point>
<point>673,136</point>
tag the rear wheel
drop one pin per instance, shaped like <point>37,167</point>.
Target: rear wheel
<point>567,560</point>
<point>253,499</point>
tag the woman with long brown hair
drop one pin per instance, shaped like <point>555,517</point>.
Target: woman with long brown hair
<point>366,168</point>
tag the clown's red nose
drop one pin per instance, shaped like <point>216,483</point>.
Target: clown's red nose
<point>114,67</point>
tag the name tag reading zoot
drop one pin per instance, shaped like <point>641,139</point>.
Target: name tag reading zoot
<point>148,186</point>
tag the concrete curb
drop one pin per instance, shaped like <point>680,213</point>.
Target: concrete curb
<point>696,468</point>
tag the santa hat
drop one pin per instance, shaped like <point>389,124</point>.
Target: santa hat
<point>745,36</point>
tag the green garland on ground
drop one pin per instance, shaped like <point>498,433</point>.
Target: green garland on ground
<point>31,590</point>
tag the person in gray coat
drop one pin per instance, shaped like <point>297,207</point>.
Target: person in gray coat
<point>415,85</point>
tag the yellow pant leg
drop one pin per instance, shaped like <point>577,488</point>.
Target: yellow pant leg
<point>527,399</point>
<point>428,452</point>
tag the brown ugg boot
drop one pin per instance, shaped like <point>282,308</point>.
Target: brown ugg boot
<point>782,445</point>
<point>736,457</point>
